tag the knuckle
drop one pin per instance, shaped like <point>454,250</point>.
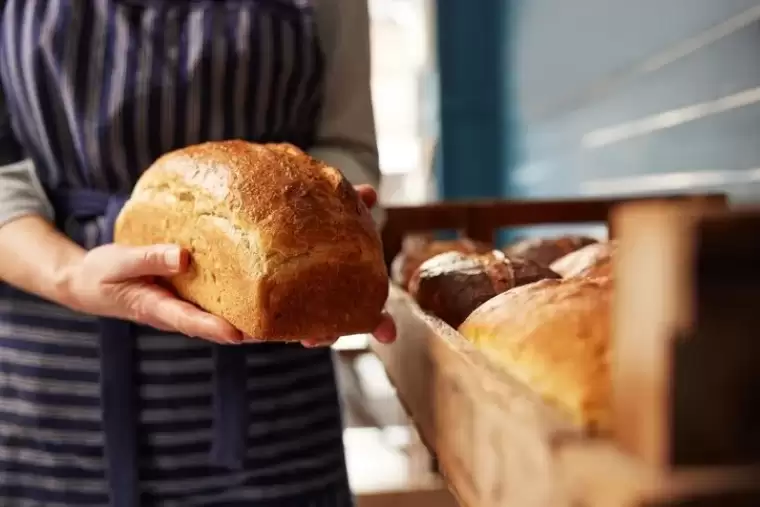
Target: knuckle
<point>139,308</point>
<point>151,256</point>
<point>140,312</point>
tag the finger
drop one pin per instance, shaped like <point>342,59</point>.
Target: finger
<point>156,324</point>
<point>312,343</point>
<point>251,339</point>
<point>159,307</point>
<point>134,262</point>
<point>386,330</point>
<point>367,194</point>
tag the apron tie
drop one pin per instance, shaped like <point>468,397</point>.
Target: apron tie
<point>118,373</point>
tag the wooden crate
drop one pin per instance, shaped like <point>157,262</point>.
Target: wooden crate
<point>499,445</point>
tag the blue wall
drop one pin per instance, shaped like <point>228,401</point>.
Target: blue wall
<point>475,112</point>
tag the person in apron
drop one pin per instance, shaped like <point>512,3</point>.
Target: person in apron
<point>105,399</point>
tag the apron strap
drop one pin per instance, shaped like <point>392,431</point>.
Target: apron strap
<point>118,374</point>
<point>118,381</point>
<point>119,403</point>
<point>230,407</point>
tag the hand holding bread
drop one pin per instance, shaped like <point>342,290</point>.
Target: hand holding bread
<point>280,245</point>
<point>120,282</point>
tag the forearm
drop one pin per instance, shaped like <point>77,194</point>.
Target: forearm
<point>33,255</point>
<point>36,258</point>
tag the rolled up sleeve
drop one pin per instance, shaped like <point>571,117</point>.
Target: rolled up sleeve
<point>20,191</point>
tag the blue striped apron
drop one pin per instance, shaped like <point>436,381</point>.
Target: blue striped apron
<point>101,412</point>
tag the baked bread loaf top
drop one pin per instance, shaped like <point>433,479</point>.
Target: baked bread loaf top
<point>590,261</point>
<point>547,250</point>
<point>417,249</point>
<point>553,335</point>
<point>451,285</point>
<point>282,247</point>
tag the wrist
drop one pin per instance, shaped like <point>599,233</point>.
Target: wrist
<point>63,276</point>
<point>36,258</point>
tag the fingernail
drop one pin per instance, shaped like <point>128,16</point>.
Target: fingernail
<point>172,257</point>
<point>232,340</point>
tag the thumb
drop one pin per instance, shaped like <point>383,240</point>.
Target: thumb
<point>124,263</point>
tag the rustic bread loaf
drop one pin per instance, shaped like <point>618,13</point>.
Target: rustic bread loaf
<point>281,245</point>
<point>453,284</point>
<point>418,248</point>
<point>590,261</point>
<point>554,335</point>
<point>547,250</point>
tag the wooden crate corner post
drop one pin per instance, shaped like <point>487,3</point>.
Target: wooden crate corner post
<point>652,307</point>
<point>686,361</point>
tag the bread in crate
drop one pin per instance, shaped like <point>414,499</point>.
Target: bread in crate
<point>545,251</point>
<point>553,335</point>
<point>452,284</point>
<point>590,261</point>
<point>550,333</point>
<point>416,249</point>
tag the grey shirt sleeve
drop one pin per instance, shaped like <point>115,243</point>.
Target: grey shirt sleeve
<point>346,134</point>
<point>20,191</point>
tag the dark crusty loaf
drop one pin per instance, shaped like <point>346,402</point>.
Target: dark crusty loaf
<point>547,250</point>
<point>419,248</point>
<point>281,245</point>
<point>453,284</point>
<point>554,335</point>
<point>590,261</point>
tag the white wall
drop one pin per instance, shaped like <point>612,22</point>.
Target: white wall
<point>610,90</point>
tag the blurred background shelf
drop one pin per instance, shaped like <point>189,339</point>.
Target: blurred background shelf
<point>387,462</point>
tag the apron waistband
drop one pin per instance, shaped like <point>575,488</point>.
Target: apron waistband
<point>118,373</point>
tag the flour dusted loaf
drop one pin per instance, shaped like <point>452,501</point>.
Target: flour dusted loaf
<point>281,245</point>
<point>453,284</point>
<point>553,335</point>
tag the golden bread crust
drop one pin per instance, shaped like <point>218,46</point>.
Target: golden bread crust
<point>554,335</point>
<point>281,245</point>
<point>590,261</point>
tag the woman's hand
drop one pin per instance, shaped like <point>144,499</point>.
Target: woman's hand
<point>386,330</point>
<point>108,281</point>
<point>120,282</point>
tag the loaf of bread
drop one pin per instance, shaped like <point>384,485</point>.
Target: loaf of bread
<point>590,261</point>
<point>419,248</point>
<point>547,250</point>
<point>453,284</point>
<point>281,245</point>
<point>553,335</point>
